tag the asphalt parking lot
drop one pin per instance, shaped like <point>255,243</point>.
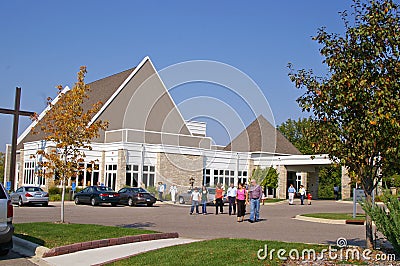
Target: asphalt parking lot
<point>276,223</point>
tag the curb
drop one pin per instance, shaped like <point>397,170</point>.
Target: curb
<point>105,243</point>
<point>319,220</point>
<point>27,248</point>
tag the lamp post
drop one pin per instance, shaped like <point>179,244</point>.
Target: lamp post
<point>191,182</point>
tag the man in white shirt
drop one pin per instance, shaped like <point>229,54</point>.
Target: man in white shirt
<point>232,190</point>
<point>195,197</point>
<point>161,189</point>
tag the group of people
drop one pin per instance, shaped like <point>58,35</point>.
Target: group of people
<point>302,193</point>
<point>238,198</point>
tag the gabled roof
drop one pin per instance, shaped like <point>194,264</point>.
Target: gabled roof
<point>102,89</point>
<point>135,99</point>
<point>261,136</point>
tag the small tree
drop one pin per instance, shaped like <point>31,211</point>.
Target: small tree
<point>267,177</point>
<point>258,175</point>
<point>328,178</point>
<point>67,124</point>
<point>356,107</point>
<point>270,178</point>
<point>386,222</point>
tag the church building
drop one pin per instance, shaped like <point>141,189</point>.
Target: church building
<point>148,141</point>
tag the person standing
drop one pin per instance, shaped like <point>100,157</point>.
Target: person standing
<point>161,189</point>
<point>336,192</point>
<point>172,191</point>
<point>195,200</point>
<point>302,192</point>
<point>219,202</point>
<point>255,194</point>
<point>204,200</point>
<point>309,198</point>
<point>291,191</point>
<point>232,199</point>
<point>241,198</point>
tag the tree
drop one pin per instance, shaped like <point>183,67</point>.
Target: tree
<point>328,178</point>
<point>296,133</point>
<point>270,178</point>
<point>67,124</point>
<point>258,175</point>
<point>356,106</point>
<point>267,177</point>
<point>2,156</point>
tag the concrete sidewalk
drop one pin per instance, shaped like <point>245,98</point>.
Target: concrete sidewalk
<point>100,256</point>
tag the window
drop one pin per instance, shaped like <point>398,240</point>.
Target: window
<point>242,177</point>
<point>111,175</point>
<point>29,173</point>
<point>206,177</point>
<point>88,175</point>
<point>132,175</point>
<point>148,175</point>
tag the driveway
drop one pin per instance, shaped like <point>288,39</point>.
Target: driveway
<point>276,223</point>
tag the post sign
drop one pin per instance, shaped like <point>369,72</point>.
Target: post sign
<point>358,195</point>
<point>73,186</point>
<point>8,185</point>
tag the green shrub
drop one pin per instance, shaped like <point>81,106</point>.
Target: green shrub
<point>326,192</point>
<point>54,190</point>
<point>152,190</point>
<point>55,197</point>
<point>388,223</point>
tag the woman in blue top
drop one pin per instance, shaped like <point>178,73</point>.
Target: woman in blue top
<point>291,191</point>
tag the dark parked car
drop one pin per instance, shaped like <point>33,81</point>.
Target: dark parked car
<point>6,226</point>
<point>30,195</point>
<point>96,195</point>
<point>136,195</point>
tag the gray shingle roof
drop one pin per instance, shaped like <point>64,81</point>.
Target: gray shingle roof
<point>261,136</point>
<point>101,90</point>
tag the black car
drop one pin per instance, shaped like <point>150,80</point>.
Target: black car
<point>95,195</point>
<point>136,195</point>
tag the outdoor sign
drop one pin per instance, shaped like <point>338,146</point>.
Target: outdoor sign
<point>73,186</point>
<point>8,185</point>
<point>358,195</point>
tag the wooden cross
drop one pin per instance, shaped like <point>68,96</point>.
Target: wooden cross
<point>16,112</point>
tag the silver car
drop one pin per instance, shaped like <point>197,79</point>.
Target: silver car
<point>6,226</point>
<point>185,197</point>
<point>30,195</point>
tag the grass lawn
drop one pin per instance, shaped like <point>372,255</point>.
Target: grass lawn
<point>216,252</point>
<point>336,216</point>
<point>273,200</point>
<point>54,234</point>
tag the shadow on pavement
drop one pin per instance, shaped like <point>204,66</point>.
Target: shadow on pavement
<point>137,225</point>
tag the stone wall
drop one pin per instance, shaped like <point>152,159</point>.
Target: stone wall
<point>282,182</point>
<point>121,169</point>
<point>20,158</point>
<point>312,184</point>
<point>178,169</point>
<point>346,186</point>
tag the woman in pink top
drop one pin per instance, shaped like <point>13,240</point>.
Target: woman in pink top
<point>241,197</point>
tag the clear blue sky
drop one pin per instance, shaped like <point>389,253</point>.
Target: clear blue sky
<point>43,43</point>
